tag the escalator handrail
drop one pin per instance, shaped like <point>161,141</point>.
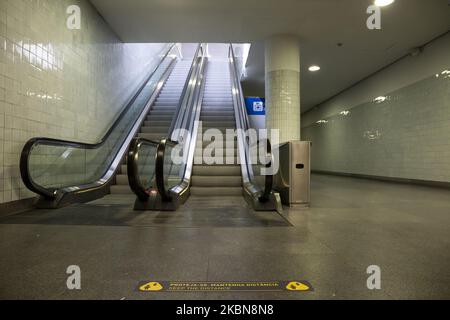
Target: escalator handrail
<point>26,151</point>
<point>159,169</point>
<point>244,124</point>
<point>183,95</point>
<point>268,180</point>
<point>132,166</point>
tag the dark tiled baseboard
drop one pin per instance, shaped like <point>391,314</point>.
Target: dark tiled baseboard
<point>428,183</point>
<point>13,207</point>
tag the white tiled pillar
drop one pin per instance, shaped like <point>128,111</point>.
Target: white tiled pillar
<point>282,54</point>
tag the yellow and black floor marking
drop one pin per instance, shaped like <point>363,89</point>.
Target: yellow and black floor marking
<point>204,286</point>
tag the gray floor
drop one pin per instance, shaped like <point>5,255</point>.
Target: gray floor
<point>351,224</point>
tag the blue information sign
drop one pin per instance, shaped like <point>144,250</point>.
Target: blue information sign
<point>255,106</point>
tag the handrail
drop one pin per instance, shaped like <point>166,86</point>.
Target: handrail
<point>53,193</point>
<point>243,123</point>
<point>268,181</point>
<point>185,97</point>
<point>159,169</point>
<point>132,167</point>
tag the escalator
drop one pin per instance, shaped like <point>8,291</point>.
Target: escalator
<point>210,167</point>
<point>159,182</point>
<point>159,119</point>
<point>63,172</point>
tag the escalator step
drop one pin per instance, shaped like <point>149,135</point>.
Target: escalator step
<point>121,179</point>
<point>218,124</point>
<point>152,136</point>
<point>157,123</point>
<point>165,104</point>
<point>232,153</point>
<point>215,162</point>
<point>164,111</point>
<point>222,129</point>
<point>217,118</point>
<point>205,143</point>
<point>208,113</point>
<point>154,117</point>
<point>154,129</point>
<point>217,181</point>
<point>164,108</point>
<point>121,189</point>
<point>216,191</point>
<point>231,170</point>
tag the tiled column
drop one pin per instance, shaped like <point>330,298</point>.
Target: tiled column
<point>282,54</point>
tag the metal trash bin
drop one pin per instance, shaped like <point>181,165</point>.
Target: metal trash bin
<point>293,178</point>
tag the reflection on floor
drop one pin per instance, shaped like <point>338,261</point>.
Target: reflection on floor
<point>351,224</point>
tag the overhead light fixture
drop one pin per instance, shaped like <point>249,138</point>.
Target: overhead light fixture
<point>383,3</point>
<point>314,68</point>
<point>379,99</point>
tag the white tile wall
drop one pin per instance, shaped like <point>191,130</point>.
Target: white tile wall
<point>405,136</point>
<point>55,82</point>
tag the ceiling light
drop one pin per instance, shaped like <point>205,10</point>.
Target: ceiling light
<point>383,3</point>
<point>379,99</point>
<point>314,68</point>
